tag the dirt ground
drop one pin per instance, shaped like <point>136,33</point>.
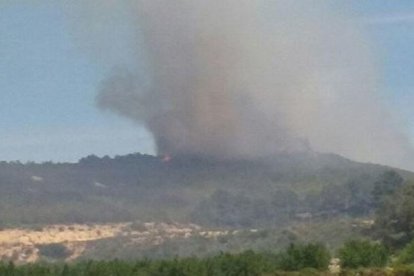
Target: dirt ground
<point>21,245</point>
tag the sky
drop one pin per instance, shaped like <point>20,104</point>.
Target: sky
<point>48,84</point>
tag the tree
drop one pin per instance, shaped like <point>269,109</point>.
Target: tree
<point>394,220</point>
<point>363,253</point>
<point>406,256</point>
<point>297,257</point>
<point>387,184</point>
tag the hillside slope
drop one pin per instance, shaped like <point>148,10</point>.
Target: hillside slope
<point>270,191</point>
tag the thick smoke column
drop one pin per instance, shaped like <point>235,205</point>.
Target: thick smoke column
<point>247,78</point>
<point>211,81</point>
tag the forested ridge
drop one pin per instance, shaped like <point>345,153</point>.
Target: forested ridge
<point>265,192</point>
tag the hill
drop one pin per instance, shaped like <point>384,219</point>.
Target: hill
<point>232,193</point>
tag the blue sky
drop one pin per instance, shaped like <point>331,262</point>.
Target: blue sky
<point>48,84</point>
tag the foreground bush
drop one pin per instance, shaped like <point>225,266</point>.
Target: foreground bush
<point>298,257</point>
<point>305,259</point>
<point>361,253</point>
<point>406,256</point>
<point>244,264</point>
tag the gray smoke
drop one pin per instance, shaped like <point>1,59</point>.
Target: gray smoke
<point>242,78</point>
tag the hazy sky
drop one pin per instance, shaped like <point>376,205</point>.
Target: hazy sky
<point>48,84</point>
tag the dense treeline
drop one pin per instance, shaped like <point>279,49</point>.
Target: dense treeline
<point>295,258</point>
<point>358,257</point>
<point>355,197</point>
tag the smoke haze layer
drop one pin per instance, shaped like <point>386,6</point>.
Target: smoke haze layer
<point>243,78</point>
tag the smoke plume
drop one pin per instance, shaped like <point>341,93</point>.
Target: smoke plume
<point>243,78</point>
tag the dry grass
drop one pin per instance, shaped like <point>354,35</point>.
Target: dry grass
<point>20,245</point>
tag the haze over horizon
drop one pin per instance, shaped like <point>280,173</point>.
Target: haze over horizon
<point>56,88</point>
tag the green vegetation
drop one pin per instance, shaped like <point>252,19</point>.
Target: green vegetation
<point>394,222</point>
<point>298,257</point>
<point>311,256</point>
<point>54,251</point>
<point>265,205</point>
<point>358,258</point>
<point>362,253</point>
<point>406,256</point>
<point>386,186</point>
<point>270,192</point>
<point>331,233</point>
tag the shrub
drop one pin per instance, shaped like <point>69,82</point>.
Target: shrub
<point>297,257</point>
<point>361,253</point>
<point>406,256</point>
<point>54,251</point>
